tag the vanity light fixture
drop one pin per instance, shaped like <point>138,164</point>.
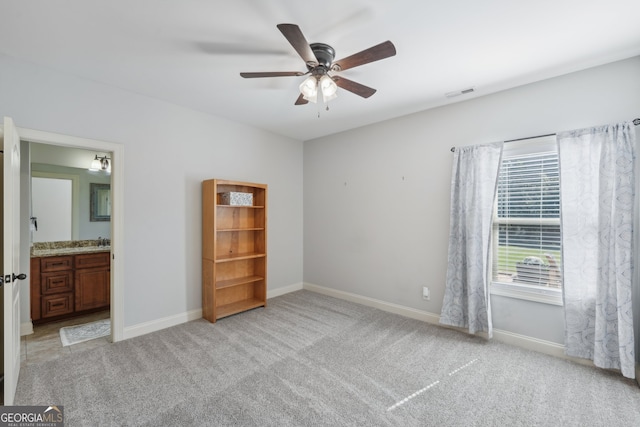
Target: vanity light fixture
<point>100,164</point>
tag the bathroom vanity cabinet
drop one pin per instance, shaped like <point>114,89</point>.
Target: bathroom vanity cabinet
<point>68,285</point>
<point>234,247</point>
<point>92,279</point>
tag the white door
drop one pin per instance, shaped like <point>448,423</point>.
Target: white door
<point>11,260</point>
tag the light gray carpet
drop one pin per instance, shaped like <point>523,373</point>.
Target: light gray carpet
<point>308,359</point>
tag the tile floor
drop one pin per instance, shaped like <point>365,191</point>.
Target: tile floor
<point>44,344</point>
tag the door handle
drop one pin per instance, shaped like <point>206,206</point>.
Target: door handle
<point>12,278</point>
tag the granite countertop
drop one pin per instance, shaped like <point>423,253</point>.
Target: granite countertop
<point>44,249</point>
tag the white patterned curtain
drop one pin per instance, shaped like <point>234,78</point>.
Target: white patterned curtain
<point>597,205</point>
<point>473,190</point>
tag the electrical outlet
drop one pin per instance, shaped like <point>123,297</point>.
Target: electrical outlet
<point>425,293</point>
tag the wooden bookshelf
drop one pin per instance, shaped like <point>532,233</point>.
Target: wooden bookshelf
<point>234,248</point>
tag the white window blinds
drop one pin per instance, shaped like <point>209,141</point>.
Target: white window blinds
<point>526,227</point>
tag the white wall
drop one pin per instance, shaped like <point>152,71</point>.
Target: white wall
<point>376,199</point>
<point>169,150</point>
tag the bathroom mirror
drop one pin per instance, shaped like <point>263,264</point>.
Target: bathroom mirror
<point>100,196</point>
<point>54,206</point>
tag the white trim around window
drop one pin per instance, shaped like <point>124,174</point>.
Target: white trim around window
<point>528,293</point>
<point>528,157</point>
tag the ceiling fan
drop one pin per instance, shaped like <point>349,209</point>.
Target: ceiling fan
<point>318,58</point>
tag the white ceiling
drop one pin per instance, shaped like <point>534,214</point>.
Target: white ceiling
<point>190,52</point>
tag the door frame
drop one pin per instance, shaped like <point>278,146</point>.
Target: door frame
<point>117,212</point>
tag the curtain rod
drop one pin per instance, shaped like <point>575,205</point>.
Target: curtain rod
<point>635,122</point>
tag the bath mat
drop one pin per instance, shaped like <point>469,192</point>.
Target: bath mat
<point>89,331</point>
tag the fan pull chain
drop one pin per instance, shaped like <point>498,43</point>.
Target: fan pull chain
<point>319,109</point>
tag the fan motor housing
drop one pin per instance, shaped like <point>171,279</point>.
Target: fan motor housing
<point>324,53</point>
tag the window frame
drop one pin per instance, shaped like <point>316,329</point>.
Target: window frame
<point>545,295</point>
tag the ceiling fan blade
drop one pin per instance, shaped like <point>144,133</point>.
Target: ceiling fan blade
<point>271,74</point>
<point>301,100</point>
<point>294,35</point>
<point>351,86</point>
<point>375,53</point>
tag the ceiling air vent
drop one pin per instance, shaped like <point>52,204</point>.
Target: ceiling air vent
<point>460,92</point>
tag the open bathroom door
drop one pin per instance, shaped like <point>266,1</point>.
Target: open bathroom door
<point>11,275</point>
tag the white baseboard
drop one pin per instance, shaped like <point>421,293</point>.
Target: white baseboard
<point>413,313</point>
<point>530,343</point>
<point>159,324</point>
<point>167,322</point>
<point>272,293</point>
<point>26,328</point>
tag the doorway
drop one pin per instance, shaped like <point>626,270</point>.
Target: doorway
<point>65,227</point>
<point>116,154</point>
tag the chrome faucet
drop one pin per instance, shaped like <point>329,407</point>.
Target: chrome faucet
<point>103,241</point>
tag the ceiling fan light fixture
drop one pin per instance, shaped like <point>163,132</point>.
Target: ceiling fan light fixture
<point>319,60</point>
<point>313,98</point>
<point>309,87</point>
<point>328,87</point>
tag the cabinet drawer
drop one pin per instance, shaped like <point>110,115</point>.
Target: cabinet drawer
<point>56,263</point>
<point>55,283</point>
<point>98,259</point>
<point>57,305</point>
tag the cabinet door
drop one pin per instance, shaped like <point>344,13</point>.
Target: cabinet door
<point>35,291</point>
<point>92,288</point>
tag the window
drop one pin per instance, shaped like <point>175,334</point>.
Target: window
<point>527,256</point>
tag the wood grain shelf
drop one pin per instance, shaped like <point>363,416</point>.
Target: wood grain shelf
<point>234,249</point>
<point>235,257</point>
<point>223,230</point>
<point>240,206</point>
<point>239,307</point>
<point>237,281</point>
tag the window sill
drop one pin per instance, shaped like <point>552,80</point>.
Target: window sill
<point>528,293</point>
